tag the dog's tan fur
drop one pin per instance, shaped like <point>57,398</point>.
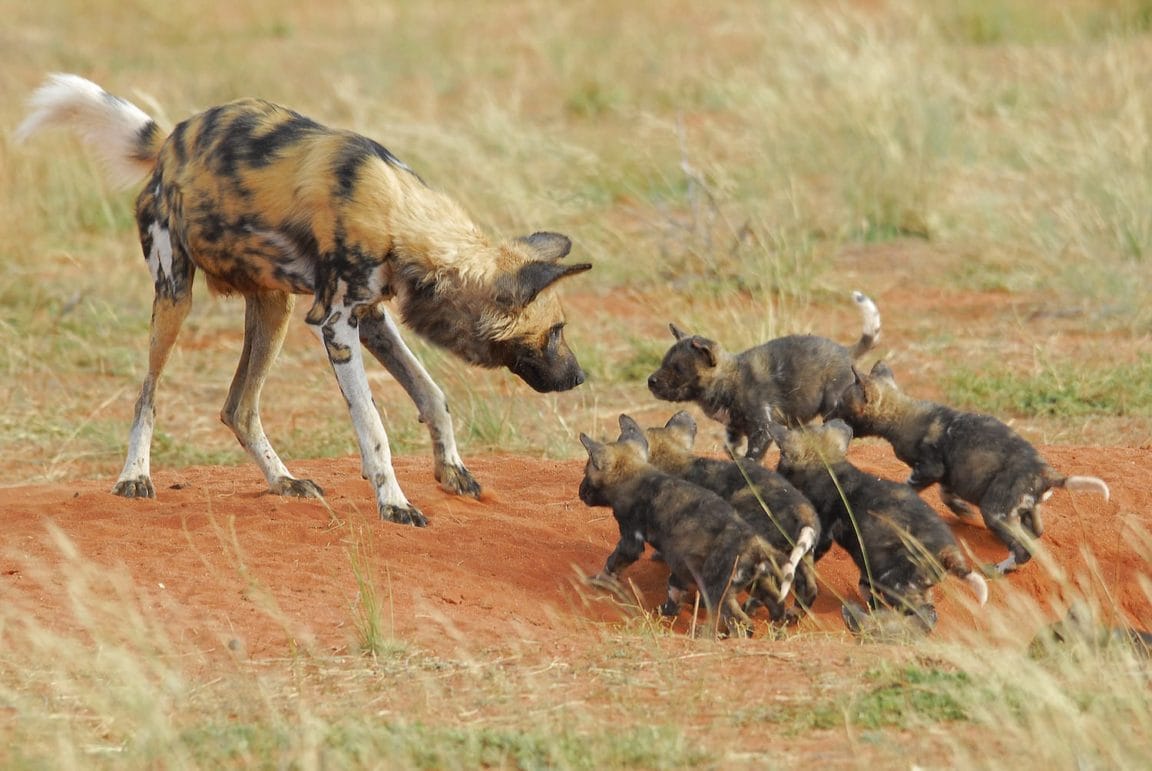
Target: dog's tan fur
<point>269,204</point>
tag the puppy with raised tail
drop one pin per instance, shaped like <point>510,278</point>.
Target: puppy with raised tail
<point>701,538</point>
<point>791,380</point>
<point>976,459</point>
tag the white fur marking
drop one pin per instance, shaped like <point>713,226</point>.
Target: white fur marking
<point>1088,484</point>
<point>160,258</point>
<point>979,585</point>
<point>869,313</point>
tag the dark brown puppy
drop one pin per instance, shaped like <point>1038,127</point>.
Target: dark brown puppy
<point>975,458</point>
<point>777,511</point>
<point>899,544</point>
<point>703,541</point>
<point>791,380</point>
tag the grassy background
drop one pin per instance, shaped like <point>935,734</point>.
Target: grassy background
<point>737,166</point>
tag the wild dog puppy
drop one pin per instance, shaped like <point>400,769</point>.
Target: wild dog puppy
<point>899,544</point>
<point>791,380</point>
<point>701,538</point>
<point>270,204</point>
<point>975,458</point>
<point>777,511</point>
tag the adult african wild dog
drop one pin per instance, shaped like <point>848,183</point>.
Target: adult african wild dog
<point>702,539</point>
<point>769,503</point>
<point>899,544</point>
<point>791,380</point>
<point>270,204</point>
<point>975,458</point>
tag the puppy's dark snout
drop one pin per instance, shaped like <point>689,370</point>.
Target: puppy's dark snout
<point>653,381</point>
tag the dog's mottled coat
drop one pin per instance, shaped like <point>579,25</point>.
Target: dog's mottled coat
<point>776,510</point>
<point>701,538</point>
<point>270,204</point>
<point>899,544</point>
<point>975,458</point>
<point>791,380</point>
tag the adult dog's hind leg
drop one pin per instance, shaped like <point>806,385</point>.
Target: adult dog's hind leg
<point>266,318</point>
<point>342,342</point>
<point>168,314</point>
<point>380,335</point>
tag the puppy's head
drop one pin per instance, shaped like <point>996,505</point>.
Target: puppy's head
<point>688,369</point>
<point>610,464</point>
<point>815,447</point>
<point>870,398</point>
<point>671,444</point>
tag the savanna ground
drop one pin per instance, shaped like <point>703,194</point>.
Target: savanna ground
<point>983,170</point>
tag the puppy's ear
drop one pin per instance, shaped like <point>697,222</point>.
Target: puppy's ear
<point>841,434</point>
<point>683,422</point>
<point>631,433</point>
<point>710,350</point>
<point>677,332</point>
<point>779,433</point>
<point>881,370</point>
<point>598,452</point>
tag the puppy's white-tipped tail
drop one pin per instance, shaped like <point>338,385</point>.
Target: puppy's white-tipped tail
<point>121,134</point>
<point>1087,484</point>
<point>803,545</point>
<point>979,586</point>
<point>870,326</point>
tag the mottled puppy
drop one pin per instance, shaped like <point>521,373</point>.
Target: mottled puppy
<point>703,541</point>
<point>975,458</point>
<point>777,511</point>
<point>899,544</point>
<point>791,380</point>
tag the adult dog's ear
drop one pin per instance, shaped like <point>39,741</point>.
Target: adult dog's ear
<point>677,332</point>
<point>516,290</point>
<point>548,246</point>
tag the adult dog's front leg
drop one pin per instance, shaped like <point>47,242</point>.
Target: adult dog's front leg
<point>380,335</point>
<point>342,343</point>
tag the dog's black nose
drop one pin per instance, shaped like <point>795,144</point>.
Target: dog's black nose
<point>652,381</point>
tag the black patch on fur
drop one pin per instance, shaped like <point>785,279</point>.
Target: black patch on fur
<point>263,149</point>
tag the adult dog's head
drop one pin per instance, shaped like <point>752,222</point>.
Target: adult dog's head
<point>514,321</point>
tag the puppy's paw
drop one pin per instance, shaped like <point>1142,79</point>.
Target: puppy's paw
<point>139,487</point>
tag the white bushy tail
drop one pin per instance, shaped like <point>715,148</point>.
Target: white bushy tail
<point>979,586</point>
<point>1087,484</point>
<point>119,132</point>
<point>870,324</point>
<point>803,545</point>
